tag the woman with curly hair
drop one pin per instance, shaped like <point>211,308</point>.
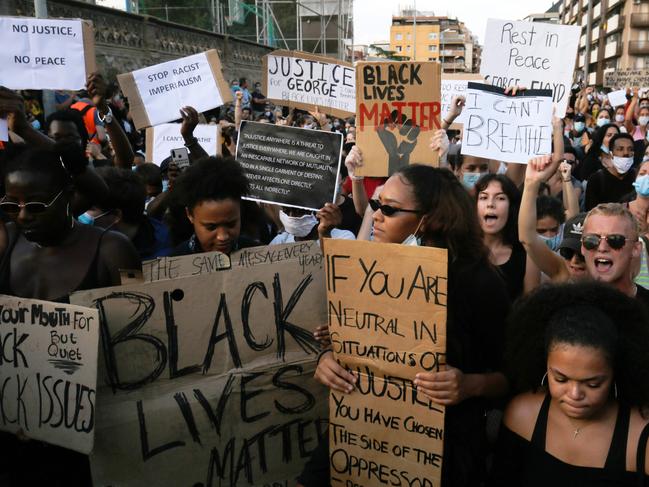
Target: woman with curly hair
<point>578,355</point>
<point>498,200</point>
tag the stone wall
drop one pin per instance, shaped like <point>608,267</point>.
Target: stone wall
<point>125,42</point>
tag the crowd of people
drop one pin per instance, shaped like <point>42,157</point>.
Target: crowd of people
<point>548,274</point>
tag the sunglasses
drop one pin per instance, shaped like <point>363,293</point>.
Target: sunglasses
<point>33,207</point>
<point>568,253</point>
<point>592,241</point>
<point>388,210</point>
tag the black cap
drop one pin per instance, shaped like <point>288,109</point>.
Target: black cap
<point>572,232</point>
<point>579,117</point>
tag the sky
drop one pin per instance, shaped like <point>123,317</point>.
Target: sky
<point>372,18</point>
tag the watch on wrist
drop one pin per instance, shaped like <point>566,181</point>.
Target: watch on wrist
<point>108,118</point>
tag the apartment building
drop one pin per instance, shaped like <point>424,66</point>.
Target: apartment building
<point>619,35</point>
<point>423,36</point>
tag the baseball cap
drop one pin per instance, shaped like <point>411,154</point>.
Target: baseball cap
<point>572,232</point>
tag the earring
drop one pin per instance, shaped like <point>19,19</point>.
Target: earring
<point>615,390</point>
<point>543,379</point>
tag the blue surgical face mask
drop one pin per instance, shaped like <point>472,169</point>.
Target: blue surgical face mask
<point>413,239</point>
<point>580,126</point>
<point>469,179</point>
<point>605,149</point>
<point>88,219</point>
<point>602,121</point>
<point>641,185</point>
<point>165,185</point>
<point>552,242</point>
<point>36,124</point>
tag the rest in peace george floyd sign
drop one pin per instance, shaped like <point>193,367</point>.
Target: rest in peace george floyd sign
<point>48,371</point>
<point>290,166</point>
<point>387,321</point>
<point>208,380</point>
<point>302,80</point>
<point>45,53</point>
<point>157,93</point>
<point>397,110</point>
<point>533,55</point>
<point>504,127</point>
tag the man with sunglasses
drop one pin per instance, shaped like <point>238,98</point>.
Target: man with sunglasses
<point>610,245</point>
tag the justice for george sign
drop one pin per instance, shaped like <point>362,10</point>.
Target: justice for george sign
<point>387,320</point>
<point>507,128</point>
<point>535,55</point>
<point>302,80</point>
<point>45,53</point>
<point>48,366</point>
<point>157,93</point>
<point>208,380</point>
<point>290,166</point>
<point>397,108</point>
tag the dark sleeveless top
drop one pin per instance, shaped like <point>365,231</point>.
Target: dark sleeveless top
<point>513,271</point>
<point>89,281</point>
<point>522,463</point>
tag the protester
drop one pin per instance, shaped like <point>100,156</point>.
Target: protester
<point>576,355</point>
<point>598,150</point>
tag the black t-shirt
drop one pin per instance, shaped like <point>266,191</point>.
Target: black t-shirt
<point>603,187</point>
<point>257,105</point>
<point>642,295</point>
<point>351,220</point>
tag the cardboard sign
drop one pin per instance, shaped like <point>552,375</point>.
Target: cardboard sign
<point>397,110</point>
<point>157,93</point>
<point>162,138</point>
<point>290,166</point>
<point>626,78</point>
<point>617,98</point>
<point>387,320</point>
<point>48,371</point>
<point>208,380</point>
<point>455,85</point>
<point>4,130</point>
<point>535,55</point>
<point>507,128</point>
<point>301,80</point>
<point>164,268</point>
<point>46,53</point>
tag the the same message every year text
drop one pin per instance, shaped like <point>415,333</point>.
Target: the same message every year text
<point>62,403</point>
<point>389,84</point>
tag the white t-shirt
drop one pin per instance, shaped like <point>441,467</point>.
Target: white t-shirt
<point>285,237</point>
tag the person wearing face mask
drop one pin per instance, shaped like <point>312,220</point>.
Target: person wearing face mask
<point>639,131</point>
<point>258,101</point>
<point>469,169</point>
<point>604,117</point>
<point>615,180</point>
<point>597,150</point>
<point>300,224</point>
<point>619,118</point>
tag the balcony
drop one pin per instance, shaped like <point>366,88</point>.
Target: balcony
<point>640,20</point>
<point>452,39</point>
<point>638,47</point>
<point>452,52</point>
<point>612,49</point>
<point>453,67</point>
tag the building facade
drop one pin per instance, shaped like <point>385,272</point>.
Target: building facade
<point>427,37</point>
<point>614,35</point>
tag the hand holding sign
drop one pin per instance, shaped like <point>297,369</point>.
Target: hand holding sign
<point>98,91</point>
<point>447,387</point>
<point>333,375</point>
<point>330,217</point>
<point>398,155</point>
<point>353,161</point>
<point>455,108</point>
<point>189,123</point>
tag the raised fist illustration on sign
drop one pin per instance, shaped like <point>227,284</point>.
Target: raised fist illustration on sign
<point>398,151</point>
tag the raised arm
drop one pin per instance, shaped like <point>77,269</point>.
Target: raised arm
<point>354,160</point>
<point>630,112</point>
<point>190,121</point>
<point>569,192</point>
<point>12,108</point>
<point>454,111</point>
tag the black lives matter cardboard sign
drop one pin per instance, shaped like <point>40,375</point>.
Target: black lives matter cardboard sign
<point>48,371</point>
<point>290,166</point>
<point>387,321</point>
<point>397,110</point>
<point>208,380</point>
<point>302,80</point>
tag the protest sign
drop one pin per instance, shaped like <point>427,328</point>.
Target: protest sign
<point>617,98</point>
<point>397,108</point>
<point>387,320</point>
<point>48,371</point>
<point>626,78</point>
<point>46,53</point>
<point>157,93</point>
<point>208,380</point>
<point>4,130</point>
<point>184,266</point>
<point>162,138</point>
<point>302,80</point>
<point>534,55</point>
<point>290,166</point>
<point>455,85</point>
<point>504,127</point>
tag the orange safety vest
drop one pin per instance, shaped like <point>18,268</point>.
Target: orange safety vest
<point>88,114</point>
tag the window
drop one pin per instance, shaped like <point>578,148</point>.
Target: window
<point>398,48</point>
<point>407,48</point>
<point>398,37</point>
<point>432,36</point>
<point>432,48</point>
<point>409,36</point>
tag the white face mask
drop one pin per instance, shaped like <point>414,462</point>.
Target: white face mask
<point>622,164</point>
<point>413,239</point>
<point>643,120</point>
<point>298,226</point>
<point>619,118</point>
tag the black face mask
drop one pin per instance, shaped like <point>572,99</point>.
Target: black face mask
<point>570,116</point>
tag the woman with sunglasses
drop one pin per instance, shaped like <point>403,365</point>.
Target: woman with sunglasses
<point>577,356</point>
<point>569,264</point>
<point>49,255</point>
<point>421,205</point>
